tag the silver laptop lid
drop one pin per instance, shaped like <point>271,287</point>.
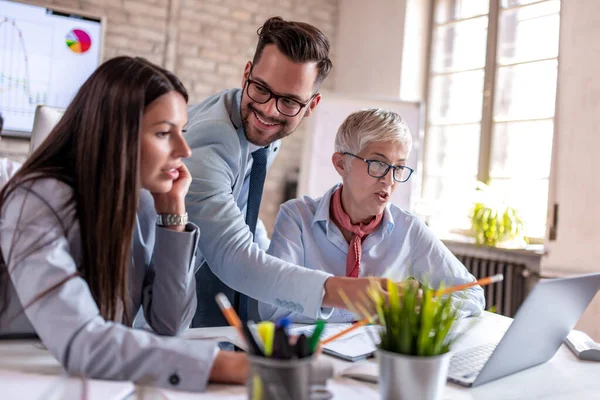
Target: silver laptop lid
<point>541,325</point>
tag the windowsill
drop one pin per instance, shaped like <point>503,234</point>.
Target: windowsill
<point>462,240</point>
<point>531,255</point>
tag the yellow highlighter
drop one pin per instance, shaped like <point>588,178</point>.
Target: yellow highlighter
<point>266,330</point>
<point>257,387</point>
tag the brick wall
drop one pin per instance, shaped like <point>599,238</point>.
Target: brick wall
<point>207,44</point>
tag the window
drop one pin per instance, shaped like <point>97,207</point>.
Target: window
<point>490,108</point>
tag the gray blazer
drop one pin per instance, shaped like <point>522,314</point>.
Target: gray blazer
<point>40,241</point>
<point>216,202</point>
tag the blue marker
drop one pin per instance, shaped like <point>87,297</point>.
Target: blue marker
<point>283,323</point>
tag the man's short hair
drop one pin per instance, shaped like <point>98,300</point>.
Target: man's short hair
<point>299,41</point>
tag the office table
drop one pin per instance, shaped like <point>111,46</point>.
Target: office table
<point>563,377</point>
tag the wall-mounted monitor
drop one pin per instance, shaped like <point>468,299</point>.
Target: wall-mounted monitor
<point>45,56</point>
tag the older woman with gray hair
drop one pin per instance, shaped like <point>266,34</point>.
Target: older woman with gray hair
<point>353,230</point>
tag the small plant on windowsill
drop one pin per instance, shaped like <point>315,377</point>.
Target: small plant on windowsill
<point>413,354</point>
<point>493,221</point>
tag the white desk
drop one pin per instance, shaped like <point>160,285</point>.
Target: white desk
<point>563,377</point>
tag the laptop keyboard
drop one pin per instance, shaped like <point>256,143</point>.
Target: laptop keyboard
<point>468,363</point>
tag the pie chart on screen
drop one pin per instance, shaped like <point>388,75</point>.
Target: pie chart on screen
<point>78,41</point>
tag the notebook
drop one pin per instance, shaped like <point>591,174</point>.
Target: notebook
<point>354,346</point>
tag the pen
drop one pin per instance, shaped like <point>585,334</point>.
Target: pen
<point>481,282</point>
<point>254,345</point>
<point>229,313</point>
<point>283,322</point>
<point>302,347</point>
<point>281,345</point>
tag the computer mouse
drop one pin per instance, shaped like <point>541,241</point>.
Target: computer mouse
<point>583,346</point>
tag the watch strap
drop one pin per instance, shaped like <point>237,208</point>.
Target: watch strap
<point>171,219</point>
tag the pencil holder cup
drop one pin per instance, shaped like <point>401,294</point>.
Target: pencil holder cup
<point>273,379</point>
<point>403,377</point>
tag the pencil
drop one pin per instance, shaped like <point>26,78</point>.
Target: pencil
<point>338,335</point>
<point>229,313</point>
<point>481,282</point>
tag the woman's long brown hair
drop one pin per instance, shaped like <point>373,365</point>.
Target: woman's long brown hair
<point>95,149</point>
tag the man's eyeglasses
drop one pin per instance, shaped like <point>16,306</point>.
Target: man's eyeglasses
<point>379,169</point>
<point>262,94</point>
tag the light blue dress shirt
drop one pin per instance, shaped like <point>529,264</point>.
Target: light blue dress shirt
<point>220,165</point>
<point>400,247</point>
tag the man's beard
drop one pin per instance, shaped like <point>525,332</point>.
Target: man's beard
<point>258,139</point>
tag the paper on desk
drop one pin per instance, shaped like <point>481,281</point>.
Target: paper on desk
<point>343,389</point>
<point>217,334</point>
<point>366,370</point>
<point>25,386</point>
<point>214,391</point>
<point>356,345</point>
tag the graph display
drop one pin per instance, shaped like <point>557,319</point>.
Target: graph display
<point>79,41</point>
<point>45,56</point>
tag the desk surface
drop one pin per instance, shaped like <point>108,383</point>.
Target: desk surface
<point>563,377</point>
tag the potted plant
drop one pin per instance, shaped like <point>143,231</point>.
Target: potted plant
<point>413,354</point>
<point>493,221</point>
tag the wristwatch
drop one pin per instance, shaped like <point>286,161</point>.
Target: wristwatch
<point>171,219</point>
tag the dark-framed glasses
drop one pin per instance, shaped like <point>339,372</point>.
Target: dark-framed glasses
<point>379,169</point>
<point>262,94</point>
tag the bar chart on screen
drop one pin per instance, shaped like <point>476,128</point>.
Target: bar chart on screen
<point>45,56</point>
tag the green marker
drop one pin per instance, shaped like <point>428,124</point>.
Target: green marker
<point>314,339</point>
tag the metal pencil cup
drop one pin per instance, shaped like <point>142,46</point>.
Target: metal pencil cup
<point>403,377</point>
<point>273,379</point>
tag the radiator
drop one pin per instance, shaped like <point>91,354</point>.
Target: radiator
<point>505,296</point>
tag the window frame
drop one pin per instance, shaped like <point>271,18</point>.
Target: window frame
<point>489,90</point>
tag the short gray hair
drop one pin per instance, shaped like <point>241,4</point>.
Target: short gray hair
<point>373,125</point>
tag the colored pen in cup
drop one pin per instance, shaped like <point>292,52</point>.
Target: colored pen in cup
<point>255,345</point>
<point>302,348</point>
<point>314,339</point>
<point>229,313</point>
<point>284,322</point>
<point>266,330</point>
<point>281,345</point>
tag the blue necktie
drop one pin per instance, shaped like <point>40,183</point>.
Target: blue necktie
<point>257,182</point>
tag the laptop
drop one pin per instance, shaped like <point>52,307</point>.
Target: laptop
<point>539,328</point>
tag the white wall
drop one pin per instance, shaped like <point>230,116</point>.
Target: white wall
<point>382,48</point>
<point>575,180</point>
<point>382,56</point>
<point>369,53</point>
<point>415,56</point>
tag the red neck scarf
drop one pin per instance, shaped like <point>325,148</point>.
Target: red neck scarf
<point>360,231</point>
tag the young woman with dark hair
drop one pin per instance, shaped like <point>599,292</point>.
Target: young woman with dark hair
<point>94,226</point>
